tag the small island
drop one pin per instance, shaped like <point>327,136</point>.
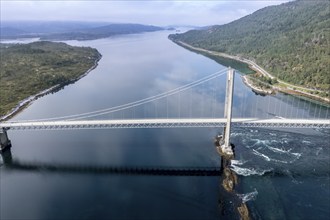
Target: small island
<point>29,71</point>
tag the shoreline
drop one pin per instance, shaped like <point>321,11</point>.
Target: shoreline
<point>26,102</point>
<point>255,67</point>
<point>255,89</point>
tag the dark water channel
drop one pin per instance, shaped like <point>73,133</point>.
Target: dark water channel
<point>283,173</point>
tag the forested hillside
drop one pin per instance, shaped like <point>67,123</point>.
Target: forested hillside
<point>27,69</point>
<point>291,41</point>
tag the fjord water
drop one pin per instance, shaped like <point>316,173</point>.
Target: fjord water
<point>284,173</point>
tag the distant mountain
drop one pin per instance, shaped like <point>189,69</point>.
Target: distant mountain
<point>291,41</point>
<point>101,32</point>
<point>46,27</point>
<point>54,30</point>
<point>10,31</point>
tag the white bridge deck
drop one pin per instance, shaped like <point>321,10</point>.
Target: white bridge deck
<point>167,123</point>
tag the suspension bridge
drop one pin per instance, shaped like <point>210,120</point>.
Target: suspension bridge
<point>190,102</point>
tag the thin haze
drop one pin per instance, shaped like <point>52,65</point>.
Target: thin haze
<point>162,13</point>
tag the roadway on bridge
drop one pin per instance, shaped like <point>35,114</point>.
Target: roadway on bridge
<point>168,123</point>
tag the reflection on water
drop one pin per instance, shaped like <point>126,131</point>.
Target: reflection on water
<point>230,205</point>
<point>135,67</point>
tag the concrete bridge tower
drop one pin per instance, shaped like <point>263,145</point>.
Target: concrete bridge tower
<point>225,147</point>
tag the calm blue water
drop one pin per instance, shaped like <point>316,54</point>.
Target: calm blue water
<point>285,171</point>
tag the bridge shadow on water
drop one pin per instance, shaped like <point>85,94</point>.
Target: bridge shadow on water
<point>12,164</point>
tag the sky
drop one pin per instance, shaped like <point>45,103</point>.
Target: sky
<point>161,13</point>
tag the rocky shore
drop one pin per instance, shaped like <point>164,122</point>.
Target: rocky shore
<point>256,89</point>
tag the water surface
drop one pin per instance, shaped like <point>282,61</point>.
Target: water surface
<point>286,170</point>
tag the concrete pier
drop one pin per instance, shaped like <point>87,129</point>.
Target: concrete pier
<point>4,140</point>
<point>6,156</point>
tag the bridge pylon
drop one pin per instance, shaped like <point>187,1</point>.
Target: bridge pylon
<point>5,143</point>
<point>225,147</point>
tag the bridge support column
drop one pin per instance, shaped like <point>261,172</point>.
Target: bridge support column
<point>7,158</point>
<point>5,143</point>
<point>225,147</point>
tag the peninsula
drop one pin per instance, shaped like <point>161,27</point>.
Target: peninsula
<point>29,71</point>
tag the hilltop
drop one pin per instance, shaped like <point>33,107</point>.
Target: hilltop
<point>291,41</point>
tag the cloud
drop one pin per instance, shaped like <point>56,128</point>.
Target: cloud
<point>147,12</point>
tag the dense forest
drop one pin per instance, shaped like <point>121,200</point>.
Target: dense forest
<point>27,69</point>
<point>291,41</point>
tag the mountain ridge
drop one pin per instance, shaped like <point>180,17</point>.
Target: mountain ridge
<point>70,30</point>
